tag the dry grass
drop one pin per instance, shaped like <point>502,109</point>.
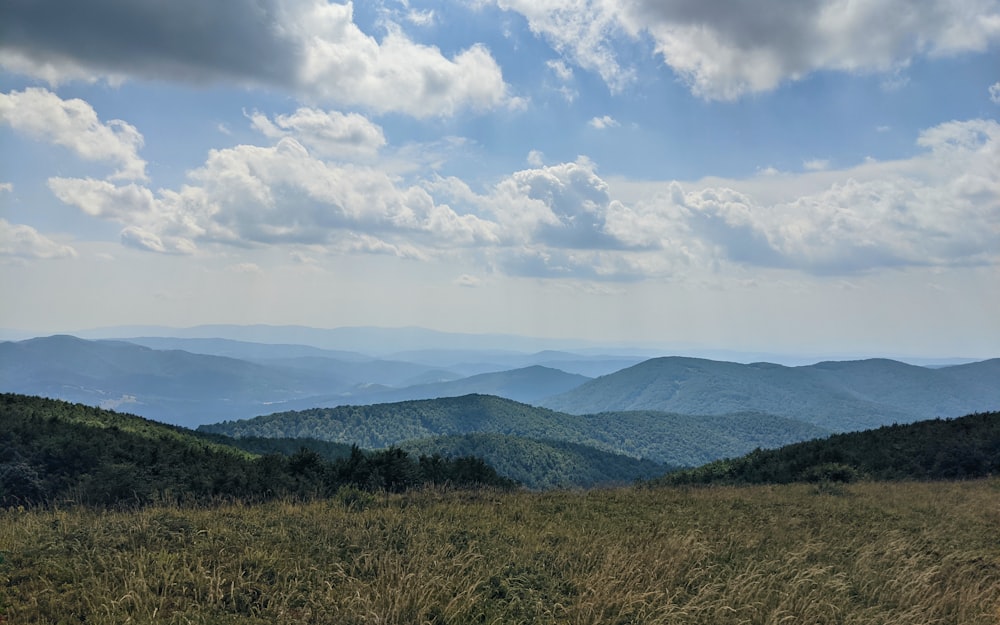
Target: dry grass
<point>871,553</point>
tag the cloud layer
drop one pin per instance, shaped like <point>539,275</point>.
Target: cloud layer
<point>939,208</point>
<point>725,50</point>
<point>309,46</point>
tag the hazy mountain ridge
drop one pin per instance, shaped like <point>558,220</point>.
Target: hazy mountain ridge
<point>191,388</point>
<point>839,396</point>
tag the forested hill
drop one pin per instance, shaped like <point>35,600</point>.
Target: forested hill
<point>681,440</point>
<point>53,451</point>
<point>961,448</point>
<point>838,396</point>
<point>541,464</point>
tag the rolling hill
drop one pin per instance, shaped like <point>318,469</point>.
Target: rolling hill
<point>54,452</point>
<point>838,396</point>
<point>682,440</point>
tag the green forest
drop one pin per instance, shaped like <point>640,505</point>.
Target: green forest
<point>937,449</point>
<point>53,451</point>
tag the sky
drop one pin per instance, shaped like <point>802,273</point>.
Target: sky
<point>820,176</point>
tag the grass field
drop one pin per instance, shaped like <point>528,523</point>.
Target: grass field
<point>900,553</point>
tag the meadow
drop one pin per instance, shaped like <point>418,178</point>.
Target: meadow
<point>872,552</point>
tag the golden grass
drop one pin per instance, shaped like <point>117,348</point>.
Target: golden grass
<point>914,553</point>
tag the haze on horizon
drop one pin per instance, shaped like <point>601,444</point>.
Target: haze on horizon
<point>820,178</point>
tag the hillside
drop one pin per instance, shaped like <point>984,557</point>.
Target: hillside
<point>962,448</point>
<point>53,451</point>
<point>667,438</point>
<point>838,396</point>
<point>541,464</point>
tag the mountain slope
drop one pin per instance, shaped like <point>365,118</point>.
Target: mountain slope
<point>839,396</point>
<point>668,438</point>
<point>541,463</point>
<point>961,448</point>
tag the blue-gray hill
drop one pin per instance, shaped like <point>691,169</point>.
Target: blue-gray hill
<point>838,396</point>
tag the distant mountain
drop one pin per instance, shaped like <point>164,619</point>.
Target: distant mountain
<point>541,464</point>
<point>244,350</point>
<point>681,440</point>
<point>174,386</point>
<point>187,388</point>
<point>962,448</point>
<point>369,340</point>
<point>838,396</point>
<point>526,385</point>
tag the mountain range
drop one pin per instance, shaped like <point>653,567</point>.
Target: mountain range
<point>837,396</point>
<point>199,380</point>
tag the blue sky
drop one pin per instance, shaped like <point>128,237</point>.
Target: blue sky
<point>816,178</point>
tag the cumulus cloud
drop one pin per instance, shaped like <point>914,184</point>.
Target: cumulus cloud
<point>601,123</point>
<point>74,124</point>
<point>252,195</point>
<point>994,91</point>
<point>938,209</point>
<point>310,46</point>
<point>725,50</point>
<point>24,242</point>
<point>327,133</point>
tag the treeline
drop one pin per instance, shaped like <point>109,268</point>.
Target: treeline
<point>53,451</point>
<point>938,449</point>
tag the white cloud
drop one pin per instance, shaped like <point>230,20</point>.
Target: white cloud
<point>6,187</point>
<point>816,164</point>
<point>250,195</point>
<point>560,69</point>
<point>536,158</point>
<point>327,133</point>
<point>421,18</point>
<point>604,122</point>
<point>74,124</point>
<point>723,51</point>
<point>24,242</point>
<point>583,31</point>
<point>343,64</point>
<point>994,91</point>
<point>312,47</point>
